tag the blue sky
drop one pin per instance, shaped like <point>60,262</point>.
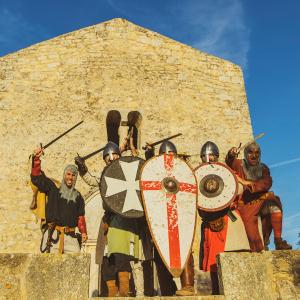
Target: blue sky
<point>261,36</point>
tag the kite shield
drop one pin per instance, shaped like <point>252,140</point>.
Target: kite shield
<point>217,186</point>
<point>169,194</point>
<point>119,186</point>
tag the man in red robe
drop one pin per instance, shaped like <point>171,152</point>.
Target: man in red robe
<point>256,199</point>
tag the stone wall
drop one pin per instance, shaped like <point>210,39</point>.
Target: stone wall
<point>50,86</point>
<point>267,275</point>
<point>44,276</point>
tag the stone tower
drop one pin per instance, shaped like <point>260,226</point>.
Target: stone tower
<point>82,75</point>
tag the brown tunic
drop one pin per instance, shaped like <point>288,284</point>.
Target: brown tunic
<point>252,201</point>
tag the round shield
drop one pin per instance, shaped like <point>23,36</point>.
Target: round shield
<point>169,194</point>
<point>119,187</point>
<point>217,186</point>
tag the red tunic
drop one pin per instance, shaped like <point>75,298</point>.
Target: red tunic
<point>213,244</point>
<point>231,238</point>
<point>252,201</point>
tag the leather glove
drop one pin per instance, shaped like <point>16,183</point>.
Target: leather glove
<point>82,168</point>
<point>150,152</point>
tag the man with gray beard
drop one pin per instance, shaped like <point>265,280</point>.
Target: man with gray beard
<point>65,208</point>
<point>256,199</point>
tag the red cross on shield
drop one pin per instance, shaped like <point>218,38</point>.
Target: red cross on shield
<point>169,194</point>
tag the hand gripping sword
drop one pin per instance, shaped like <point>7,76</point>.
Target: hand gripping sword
<point>54,140</point>
<point>241,148</point>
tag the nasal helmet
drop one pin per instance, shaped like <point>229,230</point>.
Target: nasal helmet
<point>110,149</point>
<point>167,147</point>
<point>209,148</point>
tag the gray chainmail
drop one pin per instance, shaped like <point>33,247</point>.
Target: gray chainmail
<point>70,194</point>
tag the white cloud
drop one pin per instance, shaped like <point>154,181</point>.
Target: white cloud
<point>291,235</point>
<point>291,229</point>
<point>285,162</point>
<point>218,27</point>
<point>290,221</point>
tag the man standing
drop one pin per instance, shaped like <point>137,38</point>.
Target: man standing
<point>166,282</point>
<point>118,235</point>
<point>65,208</point>
<point>221,230</point>
<point>257,200</point>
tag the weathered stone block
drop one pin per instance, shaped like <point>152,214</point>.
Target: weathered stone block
<point>44,276</point>
<point>267,275</point>
<point>211,297</point>
<point>286,274</point>
<point>203,282</point>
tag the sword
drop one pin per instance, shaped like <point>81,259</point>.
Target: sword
<point>240,147</point>
<point>60,136</point>
<point>161,141</point>
<point>91,154</point>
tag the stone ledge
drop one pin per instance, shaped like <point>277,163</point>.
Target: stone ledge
<point>266,275</point>
<point>211,297</point>
<point>44,276</point>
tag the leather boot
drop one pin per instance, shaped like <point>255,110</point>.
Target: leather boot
<point>281,244</point>
<point>123,284</point>
<point>215,289</point>
<point>267,230</point>
<point>112,288</point>
<point>187,279</point>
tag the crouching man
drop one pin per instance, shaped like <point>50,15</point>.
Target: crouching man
<point>257,199</point>
<point>65,209</point>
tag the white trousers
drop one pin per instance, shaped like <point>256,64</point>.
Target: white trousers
<point>138,277</point>
<point>71,244</point>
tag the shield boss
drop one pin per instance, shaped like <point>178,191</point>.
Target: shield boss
<point>217,186</point>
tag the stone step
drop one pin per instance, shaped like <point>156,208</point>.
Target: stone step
<point>210,297</point>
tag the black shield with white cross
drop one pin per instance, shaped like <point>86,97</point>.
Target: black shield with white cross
<point>119,187</point>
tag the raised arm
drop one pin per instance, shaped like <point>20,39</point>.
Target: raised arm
<point>38,178</point>
<point>84,173</point>
<point>231,158</point>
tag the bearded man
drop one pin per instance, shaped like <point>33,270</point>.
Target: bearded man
<point>220,230</point>
<point>65,208</point>
<point>256,199</point>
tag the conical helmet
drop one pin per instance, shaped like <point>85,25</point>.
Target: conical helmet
<point>209,148</point>
<point>167,147</point>
<point>110,149</point>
